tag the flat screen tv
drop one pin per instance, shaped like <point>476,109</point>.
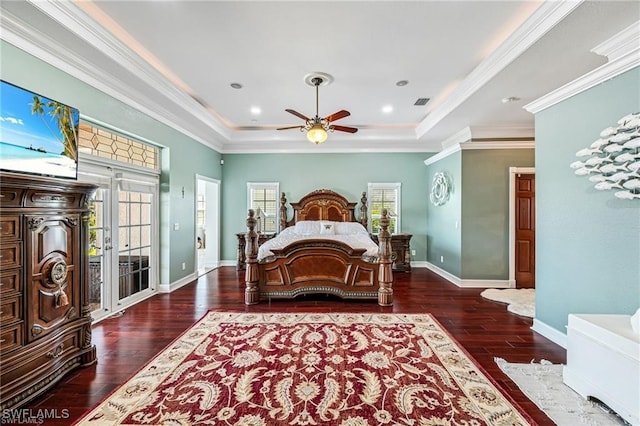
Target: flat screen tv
<point>38,135</point>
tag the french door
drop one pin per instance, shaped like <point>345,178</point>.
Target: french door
<point>122,235</point>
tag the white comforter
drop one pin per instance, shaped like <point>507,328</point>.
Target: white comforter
<point>358,239</point>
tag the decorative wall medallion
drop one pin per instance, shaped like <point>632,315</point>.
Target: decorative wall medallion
<point>613,161</point>
<point>440,189</point>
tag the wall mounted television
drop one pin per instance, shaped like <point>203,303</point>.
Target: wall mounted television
<point>38,135</point>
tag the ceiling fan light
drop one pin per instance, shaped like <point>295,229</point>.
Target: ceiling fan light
<point>317,134</point>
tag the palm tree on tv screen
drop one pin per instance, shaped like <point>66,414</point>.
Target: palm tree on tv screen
<point>64,117</point>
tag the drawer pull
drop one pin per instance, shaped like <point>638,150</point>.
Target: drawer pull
<point>3,340</point>
<point>56,352</point>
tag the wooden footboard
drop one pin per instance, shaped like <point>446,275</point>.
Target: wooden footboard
<point>319,266</point>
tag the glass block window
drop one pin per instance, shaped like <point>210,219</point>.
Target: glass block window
<point>384,196</point>
<point>263,199</point>
<point>105,144</point>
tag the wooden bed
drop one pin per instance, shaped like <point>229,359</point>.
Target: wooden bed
<point>318,265</point>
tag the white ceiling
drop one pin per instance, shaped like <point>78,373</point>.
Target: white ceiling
<point>175,60</point>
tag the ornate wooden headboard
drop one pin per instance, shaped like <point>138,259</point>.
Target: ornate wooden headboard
<point>323,204</point>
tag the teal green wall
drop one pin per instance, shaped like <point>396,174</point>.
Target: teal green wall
<point>347,174</point>
<point>485,210</point>
<point>588,241</point>
<point>468,236</point>
<point>182,156</point>
<point>443,236</point>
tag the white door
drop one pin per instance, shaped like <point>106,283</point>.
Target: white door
<point>122,234</point>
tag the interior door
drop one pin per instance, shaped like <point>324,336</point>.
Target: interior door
<point>525,234</point>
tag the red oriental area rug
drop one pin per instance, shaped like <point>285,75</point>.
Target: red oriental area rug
<point>310,369</point>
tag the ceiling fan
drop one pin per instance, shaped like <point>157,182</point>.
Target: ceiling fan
<point>317,127</point>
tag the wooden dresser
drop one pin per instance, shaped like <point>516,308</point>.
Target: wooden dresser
<point>45,323</point>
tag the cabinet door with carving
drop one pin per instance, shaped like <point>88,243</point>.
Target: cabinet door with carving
<point>53,269</point>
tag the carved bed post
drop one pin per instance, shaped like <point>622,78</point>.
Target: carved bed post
<point>251,291</point>
<point>283,212</point>
<point>364,218</point>
<point>385,275</point>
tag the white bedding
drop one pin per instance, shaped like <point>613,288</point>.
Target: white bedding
<point>352,233</point>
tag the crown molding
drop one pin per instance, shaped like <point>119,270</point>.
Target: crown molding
<point>82,24</point>
<point>73,19</point>
<point>624,42</point>
<point>22,35</point>
<point>503,133</point>
<point>623,52</point>
<point>545,17</point>
<point>340,147</point>
<point>443,154</point>
<point>462,136</point>
<point>479,145</point>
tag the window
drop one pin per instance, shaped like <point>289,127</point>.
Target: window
<point>200,210</point>
<point>107,144</point>
<point>263,199</point>
<point>384,196</point>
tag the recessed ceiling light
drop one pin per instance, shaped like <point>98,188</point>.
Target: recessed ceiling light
<point>401,83</point>
<point>510,99</point>
<point>236,85</point>
<point>387,109</point>
<point>255,110</point>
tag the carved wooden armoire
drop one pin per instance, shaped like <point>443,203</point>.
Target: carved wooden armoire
<point>45,319</point>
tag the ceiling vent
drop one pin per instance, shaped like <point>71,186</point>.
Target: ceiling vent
<point>421,101</point>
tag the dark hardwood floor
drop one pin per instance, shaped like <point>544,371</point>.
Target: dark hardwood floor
<point>125,343</point>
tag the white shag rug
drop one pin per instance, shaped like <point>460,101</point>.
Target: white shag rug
<point>542,384</point>
<point>522,301</point>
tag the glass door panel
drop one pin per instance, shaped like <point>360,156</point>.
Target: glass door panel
<point>134,233</point>
<point>99,253</point>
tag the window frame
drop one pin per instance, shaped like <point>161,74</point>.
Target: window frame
<point>251,186</point>
<point>395,186</point>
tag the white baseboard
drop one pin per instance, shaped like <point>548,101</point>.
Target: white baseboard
<point>550,333</point>
<point>227,263</point>
<point>469,283</point>
<point>168,288</point>
<point>444,274</point>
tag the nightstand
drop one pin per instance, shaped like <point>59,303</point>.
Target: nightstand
<point>240,265</point>
<point>400,251</point>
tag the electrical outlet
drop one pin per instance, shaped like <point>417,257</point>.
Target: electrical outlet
<point>413,252</point>
<point>176,226</point>
<point>184,266</point>
<point>441,259</point>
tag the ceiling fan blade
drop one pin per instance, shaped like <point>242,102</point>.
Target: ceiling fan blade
<point>297,114</point>
<point>337,115</point>
<point>290,127</point>
<point>344,129</point>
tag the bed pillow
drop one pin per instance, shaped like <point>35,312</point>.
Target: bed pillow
<point>327,228</point>
<point>307,227</point>
<point>350,228</point>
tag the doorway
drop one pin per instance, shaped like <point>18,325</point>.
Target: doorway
<point>122,237</point>
<point>207,238</point>
<point>522,227</point>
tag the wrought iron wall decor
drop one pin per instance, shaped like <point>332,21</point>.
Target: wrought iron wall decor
<point>440,189</point>
<point>612,162</point>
